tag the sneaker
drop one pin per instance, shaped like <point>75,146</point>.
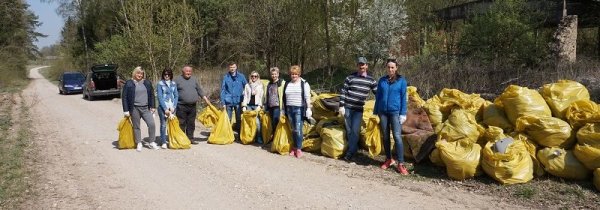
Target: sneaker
<point>387,163</point>
<point>164,146</point>
<point>139,147</point>
<point>402,169</point>
<point>348,158</point>
<point>298,153</point>
<point>153,145</point>
<point>293,152</point>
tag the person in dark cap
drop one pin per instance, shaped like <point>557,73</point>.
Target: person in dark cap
<point>352,101</point>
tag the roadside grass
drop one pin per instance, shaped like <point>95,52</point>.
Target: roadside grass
<point>14,139</point>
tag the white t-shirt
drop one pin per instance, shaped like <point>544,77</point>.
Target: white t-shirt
<point>293,94</point>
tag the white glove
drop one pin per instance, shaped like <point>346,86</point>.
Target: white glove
<point>126,114</point>
<point>172,116</point>
<point>402,119</point>
<point>342,111</point>
<point>282,112</point>
<point>258,108</point>
<point>167,113</point>
<point>308,113</point>
<point>243,109</point>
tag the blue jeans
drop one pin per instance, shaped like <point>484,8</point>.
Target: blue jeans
<point>352,120</point>
<point>258,136</point>
<point>386,121</point>
<point>274,112</point>
<point>163,125</point>
<point>238,115</point>
<point>294,115</point>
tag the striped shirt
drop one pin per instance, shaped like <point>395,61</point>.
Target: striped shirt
<point>356,90</point>
<point>293,94</point>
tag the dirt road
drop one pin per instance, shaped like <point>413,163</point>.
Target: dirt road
<point>80,168</point>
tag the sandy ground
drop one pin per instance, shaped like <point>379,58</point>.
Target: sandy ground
<point>80,168</point>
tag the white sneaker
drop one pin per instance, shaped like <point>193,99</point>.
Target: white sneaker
<point>153,145</point>
<point>164,146</point>
<point>139,147</point>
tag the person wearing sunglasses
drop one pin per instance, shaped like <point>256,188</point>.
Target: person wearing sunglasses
<point>253,96</point>
<point>166,92</point>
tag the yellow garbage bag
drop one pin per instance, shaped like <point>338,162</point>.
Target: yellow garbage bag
<point>514,166</point>
<point>581,112</point>
<point>125,129</point>
<point>589,134</point>
<point>312,144</point>
<point>435,158</point>
<point>334,141</point>
<point>495,116</point>
<point>588,155</point>
<point>222,132</point>
<point>266,129</point>
<point>177,138</point>
<point>460,157</point>
<point>562,163</point>
<point>597,179</point>
<point>460,125</point>
<point>283,137</point>
<point>248,127</point>
<point>453,98</point>
<point>209,116</point>
<point>373,140</point>
<point>561,94</point>
<point>547,131</point>
<point>532,148</point>
<point>414,96</point>
<point>520,101</point>
<point>433,108</point>
<point>320,111</point>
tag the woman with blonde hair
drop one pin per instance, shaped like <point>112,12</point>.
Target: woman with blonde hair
<point>296,102</point>
<point>253,95</point>
<point>138,102</point>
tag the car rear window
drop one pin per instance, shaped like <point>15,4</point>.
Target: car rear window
<point>73,77</point>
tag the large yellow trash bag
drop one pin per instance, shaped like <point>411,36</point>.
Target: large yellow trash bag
<point>453,98</point>
<point>588,155</point>
<point>222,132</point>
<point>373,140</point>
<point>495,116</point>
<point>209,116</point>
<point>283,137</point>
<point>589,134</point>
<point>562,163</point>
<point>334,141</point>
<point>460,125</point>
<point>514,166</point>
<point>547,131</point>
<point>582,112</point>
<point>561,94</point>
<point>320,111</point>
<point>435,158</point>
<point>125,129</point>
<point>519,101</point>
<point>597,179</point>
<point>460,157</point>
<point>414,96</point>
<point>532,148</point>
<point>433,109</point>
<point>177,138</point>
<point>312,144</point>
<point>266,129</point>
<point>248,127</point>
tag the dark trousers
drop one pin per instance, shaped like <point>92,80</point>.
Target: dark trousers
<point>186,113</point>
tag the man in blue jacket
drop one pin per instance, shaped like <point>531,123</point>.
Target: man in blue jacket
<point>232,93</point>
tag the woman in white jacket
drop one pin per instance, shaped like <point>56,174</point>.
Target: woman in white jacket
<point>253,99</point>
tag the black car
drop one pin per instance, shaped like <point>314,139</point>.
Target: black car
<point>71,82</point>
<point>102,80</point>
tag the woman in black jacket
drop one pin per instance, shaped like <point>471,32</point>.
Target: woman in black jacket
<point>138,102</point>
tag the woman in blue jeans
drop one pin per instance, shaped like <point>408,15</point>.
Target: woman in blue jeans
<point>390,106</point>
<point>166,92</point>
<point>296,99</point>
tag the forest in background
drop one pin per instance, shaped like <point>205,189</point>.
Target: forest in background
<point>506,45</point>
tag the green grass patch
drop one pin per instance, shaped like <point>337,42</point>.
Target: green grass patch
<point>525,192</point>
<point>13,143</point>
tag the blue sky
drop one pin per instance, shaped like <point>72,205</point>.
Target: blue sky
<point>52,23</point>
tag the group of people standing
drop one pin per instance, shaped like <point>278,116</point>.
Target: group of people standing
<point>277,98</point>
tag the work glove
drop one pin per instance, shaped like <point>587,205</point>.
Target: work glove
<point>172,116</point>
<point>402,119</point>
<point>258,108</point>
<point>342,111</point>
<point>126,114</point>
<point>167,113</point>
<point>243,109</point>
<point>308,113</point>
<point>224,106</point>
<point>282,112</point>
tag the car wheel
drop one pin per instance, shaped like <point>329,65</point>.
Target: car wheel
<point>90,97</point>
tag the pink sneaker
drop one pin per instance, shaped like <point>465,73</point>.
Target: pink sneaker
<point>402,169</point>
<point>387,163</point>
<point>298,153</point>
<point>292,152</point>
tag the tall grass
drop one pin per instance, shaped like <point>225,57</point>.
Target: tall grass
<point>13,70</point>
